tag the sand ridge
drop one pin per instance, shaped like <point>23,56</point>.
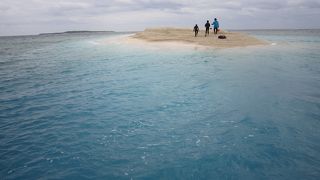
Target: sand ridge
<point>234,39</point>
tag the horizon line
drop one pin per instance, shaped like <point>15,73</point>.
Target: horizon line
<point>113,31</point>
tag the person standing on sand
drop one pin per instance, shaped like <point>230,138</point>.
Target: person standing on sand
<point>215,26</point>
<point>196,30</point>
<point>207,25</point>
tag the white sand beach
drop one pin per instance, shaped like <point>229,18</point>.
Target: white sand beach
<point>186,36</point>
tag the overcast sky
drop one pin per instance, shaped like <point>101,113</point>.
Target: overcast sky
<point>38,16</point>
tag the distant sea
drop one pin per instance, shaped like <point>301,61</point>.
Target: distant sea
<point>80,106</point>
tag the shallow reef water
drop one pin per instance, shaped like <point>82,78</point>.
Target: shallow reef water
<point>76,106</point>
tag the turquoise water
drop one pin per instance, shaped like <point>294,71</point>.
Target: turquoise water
<point>80,106</point>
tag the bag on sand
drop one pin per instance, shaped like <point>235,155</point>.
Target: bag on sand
<point>222,37</point>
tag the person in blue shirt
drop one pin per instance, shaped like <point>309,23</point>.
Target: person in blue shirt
<point>215,25</point>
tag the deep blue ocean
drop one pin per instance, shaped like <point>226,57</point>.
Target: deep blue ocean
<point>82,106</point>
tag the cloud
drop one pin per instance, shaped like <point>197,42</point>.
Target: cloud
<point>314,4</point>
<point>35,16</point>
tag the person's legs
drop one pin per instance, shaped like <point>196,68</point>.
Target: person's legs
<point>207,31</point>
<point>215,30</point>
<point>196,33</point>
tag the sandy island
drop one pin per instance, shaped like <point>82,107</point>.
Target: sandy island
<point>234,39</point>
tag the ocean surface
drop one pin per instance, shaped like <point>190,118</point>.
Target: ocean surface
<point>87,106</point>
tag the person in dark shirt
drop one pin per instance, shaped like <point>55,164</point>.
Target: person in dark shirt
<point>196,30</point>
<point>207,25</point>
